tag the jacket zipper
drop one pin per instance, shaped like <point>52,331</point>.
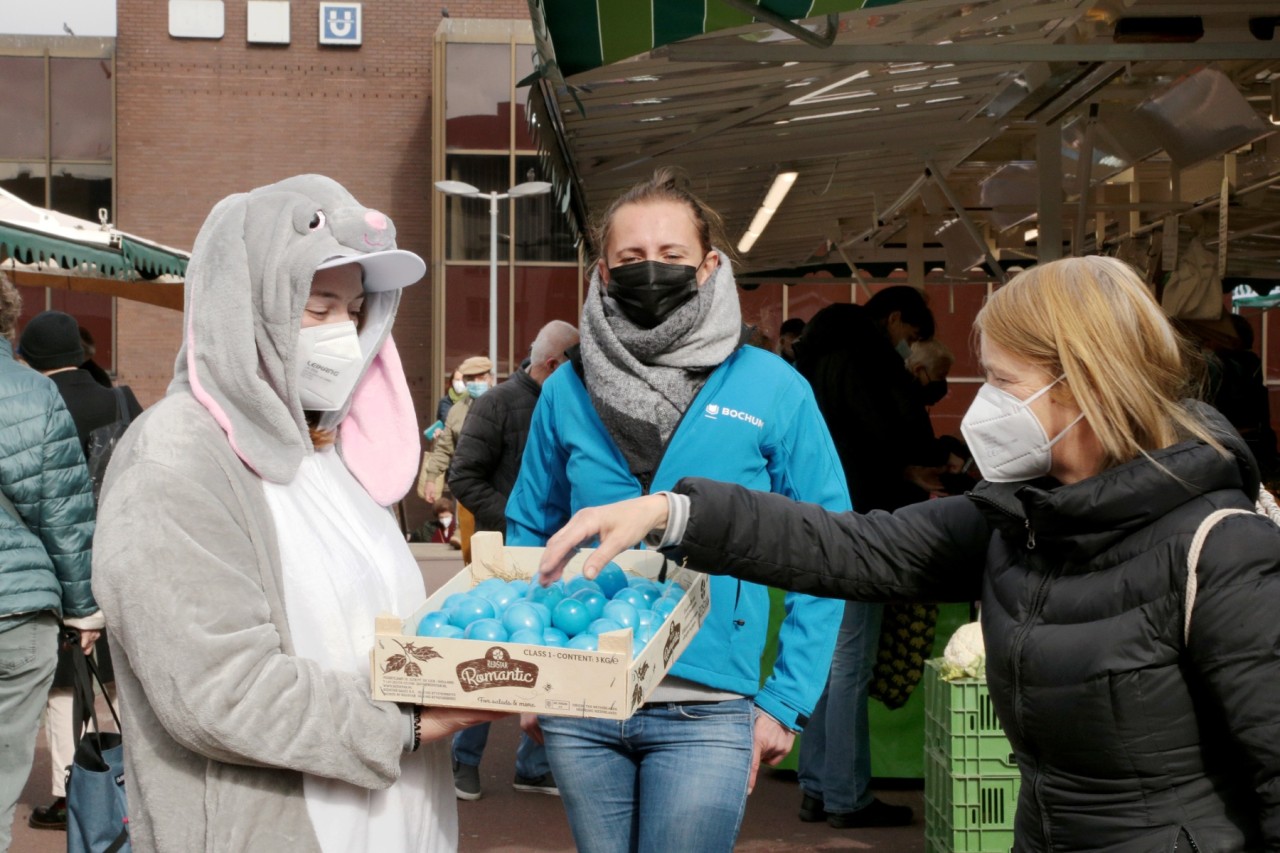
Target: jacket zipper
<point>1019,640</point>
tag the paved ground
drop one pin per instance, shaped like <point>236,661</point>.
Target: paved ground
<point>504,821</point>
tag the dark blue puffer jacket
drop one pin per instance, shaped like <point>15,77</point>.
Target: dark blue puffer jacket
<point>44,565</point>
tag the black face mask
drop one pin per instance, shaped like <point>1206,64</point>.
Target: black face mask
<point>934,391</point>
<point>648,292</point>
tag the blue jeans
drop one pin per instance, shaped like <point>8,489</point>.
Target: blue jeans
<point>835,750</point>
<point>673,777</point>
<point>531,756</point>
<point>28,654</point>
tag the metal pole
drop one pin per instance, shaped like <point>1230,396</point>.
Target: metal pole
<point>493,280</point>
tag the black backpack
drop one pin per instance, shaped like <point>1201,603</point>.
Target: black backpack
<point>103,441</point>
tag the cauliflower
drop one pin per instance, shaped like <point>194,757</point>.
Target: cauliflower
<point>965,656</point>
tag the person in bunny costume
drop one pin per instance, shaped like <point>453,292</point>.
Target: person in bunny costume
<point>244,548</point>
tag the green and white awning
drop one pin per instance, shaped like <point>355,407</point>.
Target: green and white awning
<point>56,242</point>
<point>585,34</point>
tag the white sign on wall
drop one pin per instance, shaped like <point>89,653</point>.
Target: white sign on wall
<point>340,24</point>
<point>196,19</point>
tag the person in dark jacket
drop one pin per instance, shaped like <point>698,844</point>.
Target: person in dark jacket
<point>853,356</point>
<point>484,468</point>
<point>52,343</point>
<point>92,367</point>
<point>46,529</point>
<point>486,460</point>
<point>1140,722</point>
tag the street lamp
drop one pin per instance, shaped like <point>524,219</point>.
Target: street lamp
<point>465,190</point>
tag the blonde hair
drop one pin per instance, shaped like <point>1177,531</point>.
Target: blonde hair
<point>1093,321</point>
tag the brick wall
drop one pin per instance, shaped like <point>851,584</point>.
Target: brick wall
<point>197,120</point>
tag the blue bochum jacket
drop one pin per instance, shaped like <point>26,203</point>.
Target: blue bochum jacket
<point>754,423</point>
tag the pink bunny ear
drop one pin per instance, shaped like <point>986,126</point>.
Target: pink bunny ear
<point>379,435</point>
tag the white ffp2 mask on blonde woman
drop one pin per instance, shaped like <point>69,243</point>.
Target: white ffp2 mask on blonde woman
<point>1007,441</point>
<point>329,364</point>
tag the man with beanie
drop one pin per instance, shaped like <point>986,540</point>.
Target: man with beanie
<point>52,344</point>
<point>46,532</point>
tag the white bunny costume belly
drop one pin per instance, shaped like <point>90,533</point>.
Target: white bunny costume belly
<point>344,561</point>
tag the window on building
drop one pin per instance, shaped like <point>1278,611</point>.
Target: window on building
<point>57,151</point>
<point>487,144</point>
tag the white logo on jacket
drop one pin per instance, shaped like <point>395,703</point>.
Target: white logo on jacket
<point>713,412</point>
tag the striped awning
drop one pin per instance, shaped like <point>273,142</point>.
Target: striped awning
<point>586,34</point>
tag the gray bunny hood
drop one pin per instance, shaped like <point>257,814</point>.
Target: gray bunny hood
<point>248,282</point>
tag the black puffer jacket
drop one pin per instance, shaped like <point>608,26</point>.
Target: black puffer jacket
<point>1128,740</point>
<point>487,459</point>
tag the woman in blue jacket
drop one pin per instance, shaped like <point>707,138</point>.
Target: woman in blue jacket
<point>663,388</point>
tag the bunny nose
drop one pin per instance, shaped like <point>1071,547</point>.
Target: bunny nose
<point>376,220</point>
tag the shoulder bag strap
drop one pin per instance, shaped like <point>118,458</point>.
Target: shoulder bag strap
<point>1193,559</point>
<point>122,405</point>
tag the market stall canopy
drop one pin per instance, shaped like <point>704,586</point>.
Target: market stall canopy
<point>936,133</point>
<point>45,248</point>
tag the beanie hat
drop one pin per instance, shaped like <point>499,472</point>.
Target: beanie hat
<point>51,340</point>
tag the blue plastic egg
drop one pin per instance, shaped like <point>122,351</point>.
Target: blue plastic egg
<point>611,579</point>
<point>593,599</point>
<point>445,631</point>
<point>665,606</point>
<point>455,599</point>
<point>434,619</point>
<point>603,626</point>
<point>554,637</point>
<point>632,596</point>
<point>623,613</point>
<point>527,636</point>
<point>522,616</point>
<point>587,642</point>
<point>519,587</point>
<point>488,630</point>
<point>548,595</point>
<point>474,607</point>
<point>543,610</point>
<point>579,583</point>
<point>499,596</point>
<point>648,619</point>
<point>570,616</point>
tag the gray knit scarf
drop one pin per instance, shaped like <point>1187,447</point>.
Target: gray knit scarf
<point>641,381</point>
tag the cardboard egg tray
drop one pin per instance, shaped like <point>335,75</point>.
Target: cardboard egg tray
<point>608,683</point>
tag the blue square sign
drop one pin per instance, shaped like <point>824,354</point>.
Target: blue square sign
<point>340,23</point>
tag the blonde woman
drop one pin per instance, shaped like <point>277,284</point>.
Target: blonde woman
<point>1097,475</point>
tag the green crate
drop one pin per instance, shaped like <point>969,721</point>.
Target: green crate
<point>967,814</point>
<point>961,724</point>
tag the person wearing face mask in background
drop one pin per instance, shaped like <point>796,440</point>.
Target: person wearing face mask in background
<point>483,470</point>
<point>1141,709</point>
<point>245,547</point>
<point>930,363</point>
<point>662,387</point>
<point>456,391</point>
<point>444,527</point>
<point>852,355</point>
<point>476,377</point>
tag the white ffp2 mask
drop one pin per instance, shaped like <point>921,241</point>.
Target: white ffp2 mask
<point>1007,441</point>
<point>329,364</point>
